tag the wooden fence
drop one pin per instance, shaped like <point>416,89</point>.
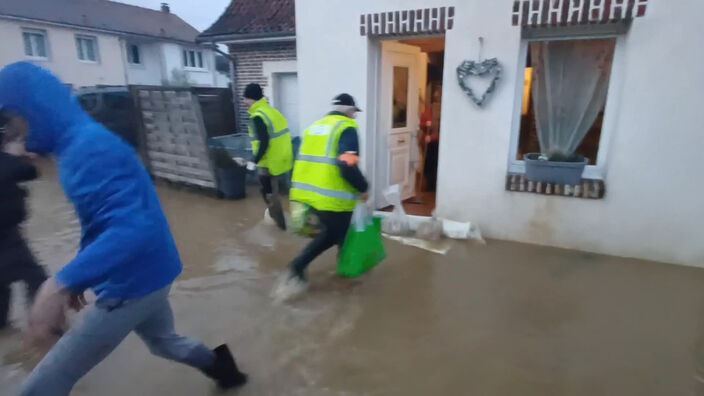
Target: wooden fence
<point>173,136</point>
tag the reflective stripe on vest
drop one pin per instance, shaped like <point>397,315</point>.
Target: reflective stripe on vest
<point>270,126</point>
<point>316,158</point>
<point>278,158</point>
<point>328,148</point>
<point>327,158</point>
<point>324,191</point>
<point>316,178</point>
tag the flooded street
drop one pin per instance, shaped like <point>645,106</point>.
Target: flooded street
<point>500,319</point>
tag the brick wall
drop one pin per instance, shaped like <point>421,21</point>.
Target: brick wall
<point>249,58</point>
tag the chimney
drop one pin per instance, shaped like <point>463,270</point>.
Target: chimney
<point>165,8</point>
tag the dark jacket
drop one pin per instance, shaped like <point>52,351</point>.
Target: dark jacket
<point>126,249</point>
<point>13,170</point>
<point>349,143</point>
<point>263,136</point>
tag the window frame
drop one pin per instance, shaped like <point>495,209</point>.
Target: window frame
<point>96,50</point>
<point>611,107</point>
<point>45,36</point>
<point>130,58</point>
<point>198,58</point>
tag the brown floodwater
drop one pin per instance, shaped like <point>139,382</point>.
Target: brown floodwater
<point>499,319</point>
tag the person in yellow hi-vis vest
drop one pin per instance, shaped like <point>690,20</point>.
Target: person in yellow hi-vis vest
<point>326,177</point>
<point>271,143</point>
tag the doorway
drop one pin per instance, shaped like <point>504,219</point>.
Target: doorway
<point>408,124</point>
<point>286,99</point>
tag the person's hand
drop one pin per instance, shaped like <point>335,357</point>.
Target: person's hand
<point>364,197</point>
<point>240,161</point>
<point>15,148</point>
<point>47,318</point>
<point>77,301</point>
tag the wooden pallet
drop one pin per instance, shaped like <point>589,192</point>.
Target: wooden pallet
<point>174,140</point>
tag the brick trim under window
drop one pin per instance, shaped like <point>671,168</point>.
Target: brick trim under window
<point>589,189</point>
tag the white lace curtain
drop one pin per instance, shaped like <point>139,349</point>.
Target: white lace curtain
<point>570,82</point>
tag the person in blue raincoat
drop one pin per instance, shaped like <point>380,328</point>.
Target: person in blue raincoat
<point>127,255</point>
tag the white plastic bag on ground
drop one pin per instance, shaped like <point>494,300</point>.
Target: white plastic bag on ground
<point>458,230</point>
<point>430,230</point>
<point>396,223</point>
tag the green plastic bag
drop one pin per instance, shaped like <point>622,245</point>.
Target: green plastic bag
<point>303,221</point>
<point>363,248</point>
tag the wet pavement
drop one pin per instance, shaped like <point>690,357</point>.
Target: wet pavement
<point>499,319</point>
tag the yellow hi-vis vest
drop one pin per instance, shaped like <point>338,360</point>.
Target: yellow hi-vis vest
<point>317,179</point>
<point>279,156</point>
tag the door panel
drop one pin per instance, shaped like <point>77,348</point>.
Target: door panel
<point>400,157</point>
<point>401,139</point>
<point>398,118</point>
<point>401,174</point>
<point>286,99</point>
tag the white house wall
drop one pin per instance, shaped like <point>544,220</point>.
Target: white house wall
<point>172,57</point>
<point>150,71</point>
<point>222,80</point>
<point>204,77</point>
<point>173,60</point>
<point>653,205</point>
<point>63,58</point>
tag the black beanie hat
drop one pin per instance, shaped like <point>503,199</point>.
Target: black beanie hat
<point>253,91</point>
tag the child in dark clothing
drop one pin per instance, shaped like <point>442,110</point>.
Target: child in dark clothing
<point>17,263</point>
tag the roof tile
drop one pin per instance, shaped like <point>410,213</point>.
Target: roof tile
<point>248,17</point>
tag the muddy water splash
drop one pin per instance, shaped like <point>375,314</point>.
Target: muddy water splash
<point>503,319</point>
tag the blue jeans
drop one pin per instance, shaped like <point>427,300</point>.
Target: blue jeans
<point>101,329</point>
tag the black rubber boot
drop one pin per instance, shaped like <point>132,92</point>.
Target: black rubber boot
<point>277,214</point>
<point>224,371</point>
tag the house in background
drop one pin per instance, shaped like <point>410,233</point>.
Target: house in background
<point>261,37</point>
<point>98,42</point>
<point>640,128</point>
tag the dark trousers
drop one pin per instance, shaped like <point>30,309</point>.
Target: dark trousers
<point>333,229</point>
<point>17,263</point>
<point>430,170</point>
<point>272,197</point>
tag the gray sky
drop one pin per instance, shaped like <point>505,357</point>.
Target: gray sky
<point>199,13</point>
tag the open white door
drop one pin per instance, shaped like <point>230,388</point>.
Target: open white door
<point>397,119</point>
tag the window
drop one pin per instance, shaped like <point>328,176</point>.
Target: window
<point>87,47</point>
<point>400,97</point>
<point>193,59</point>
<point>563,102</point>
<point>35,44</point>
<point>133,54</point>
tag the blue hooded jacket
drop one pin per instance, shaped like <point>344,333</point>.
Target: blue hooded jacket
<point>127,250</point>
